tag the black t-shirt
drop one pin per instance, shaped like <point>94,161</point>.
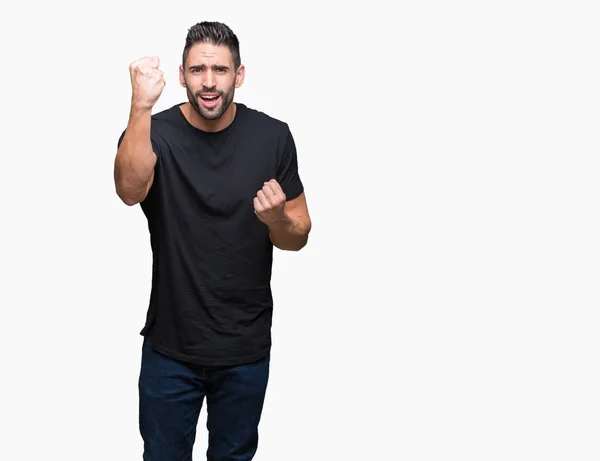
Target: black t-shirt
<point>211,300</point>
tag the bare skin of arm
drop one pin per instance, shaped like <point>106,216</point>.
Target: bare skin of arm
<point>289,222</point>
<point>135,159</point>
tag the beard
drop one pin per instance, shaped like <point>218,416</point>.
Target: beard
<point>225,100</point>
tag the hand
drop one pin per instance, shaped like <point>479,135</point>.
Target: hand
<point>147,82</point>
<point>269,204</point>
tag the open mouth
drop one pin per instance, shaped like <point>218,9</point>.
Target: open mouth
<point>209,100</point>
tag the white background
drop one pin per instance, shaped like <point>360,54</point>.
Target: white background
<point>446,306</point>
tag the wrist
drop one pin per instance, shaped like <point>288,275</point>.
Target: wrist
<point>140,108</point>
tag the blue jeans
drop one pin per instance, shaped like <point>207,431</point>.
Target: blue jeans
<point>171,395</point>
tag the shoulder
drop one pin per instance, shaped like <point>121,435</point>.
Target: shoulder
<point>168,124</point>
<point>162,125</point>
<point>260,120</point>
<point>166,117</point>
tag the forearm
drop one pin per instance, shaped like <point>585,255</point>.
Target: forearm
<point>135,159</point>
<point>291,233</point>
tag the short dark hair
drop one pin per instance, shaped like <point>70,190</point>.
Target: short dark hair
<point>215,33</point>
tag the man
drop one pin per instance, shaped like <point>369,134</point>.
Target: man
<point>218,183</point>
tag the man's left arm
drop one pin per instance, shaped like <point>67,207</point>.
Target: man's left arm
<point>288,220</point>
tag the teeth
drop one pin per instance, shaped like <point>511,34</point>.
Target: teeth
<point>209,97</point>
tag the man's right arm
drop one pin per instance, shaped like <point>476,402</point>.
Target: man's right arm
<point>135,159</point>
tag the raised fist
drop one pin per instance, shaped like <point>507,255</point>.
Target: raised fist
<point>147,82</point>
<point>269,203</point>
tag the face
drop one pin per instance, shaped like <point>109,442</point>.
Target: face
<point>210,79</point>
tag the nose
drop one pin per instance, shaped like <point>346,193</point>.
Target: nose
<point>209,80</point>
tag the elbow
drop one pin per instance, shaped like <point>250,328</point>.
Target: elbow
<point>127,198</point>
<point>301,244</point>
<point>305,234</point>
<point>303,240</point>
<point>290,247</point>
<point>295,244</point>
<point>129,201</point>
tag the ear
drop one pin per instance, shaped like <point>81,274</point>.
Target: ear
<point>240,75</point>
<point>181,76</point>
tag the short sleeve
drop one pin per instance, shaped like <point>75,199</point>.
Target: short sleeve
<point>121,139</point>
<point>288,175</point>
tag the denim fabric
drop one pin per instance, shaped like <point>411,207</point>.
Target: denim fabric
<point>171,396</point>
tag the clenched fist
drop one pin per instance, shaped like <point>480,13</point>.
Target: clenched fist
<point>147,82</point>
<point>269,203</point>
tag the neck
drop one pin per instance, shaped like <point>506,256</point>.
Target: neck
<point>201,123</point>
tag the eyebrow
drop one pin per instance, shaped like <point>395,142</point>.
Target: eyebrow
<point>203,66</point>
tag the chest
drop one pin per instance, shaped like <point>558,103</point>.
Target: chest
<point>216,177</point>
